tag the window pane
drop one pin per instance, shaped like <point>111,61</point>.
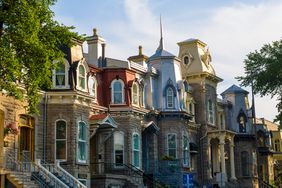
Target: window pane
<point>82,151</point>
<point>171,141</point>
<point>60,68</point>
<point>60,80</point>
<point>61,149</point>
<point>82,82</point>
<point>136,142</point>
<point>81,131</point>
<point>61,130</point>
<point>119,156</point>
<point>117,86</point>
<point>81,71</point>
<point>136,158</point>
<point>117,98</point>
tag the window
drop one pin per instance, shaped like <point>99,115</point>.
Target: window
<point>136,150</point>
<point>242,119</point>
<point>277,145</point>
<point>61,140</point>
<point>185,151</point>
<point>169,97</point>
<point>135,94</point>
<point>82,141</point>
<point>60,75</point>
<point>81,77</point>
<point>142,96</point>
<point>117,92</point>
<point>118,149</point>
<point>186,60</point>
<point>92,85</point>
<point>221,118</point>
<point>245,163</point>
<point>210,112</point>
<point>171,145</point>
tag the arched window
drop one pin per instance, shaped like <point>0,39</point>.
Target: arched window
<point>82,142</point>
<point>118,149</point>
<point>136,150</point>
<point>245,163</point>
<point>171,145</point>
<point>169,98</point>
<point>186,60</point>
<point>242,119</point>
<point>135,94</point>
<point>92,85</point>
<point>81,77</point>
<point>210,112</point>
<point>60,75</point>
<point>277,145</point>
<point>185,150</point>
<point>117,91</point>
<point>61,140</point>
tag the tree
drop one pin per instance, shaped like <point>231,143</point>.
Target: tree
<point>29,42</point>
<point>263,71</point>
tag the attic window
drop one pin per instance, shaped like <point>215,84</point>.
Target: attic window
<point>186,60</point>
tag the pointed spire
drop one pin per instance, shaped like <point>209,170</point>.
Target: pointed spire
<point>161,45</point>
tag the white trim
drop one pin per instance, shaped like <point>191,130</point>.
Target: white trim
<point>122,91</point>
<point>66,140</point>
<point>139,150</point>
<point>167,145</point>
<point>84,141</point>
<point>137,94</point>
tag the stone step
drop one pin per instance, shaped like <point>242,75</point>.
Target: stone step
<point>23,179</point>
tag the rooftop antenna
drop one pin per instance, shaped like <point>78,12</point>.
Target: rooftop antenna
<point>161,46</point>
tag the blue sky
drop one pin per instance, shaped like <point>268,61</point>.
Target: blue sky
<point>231,28</point>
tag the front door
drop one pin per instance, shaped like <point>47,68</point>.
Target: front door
<point>26,138</point>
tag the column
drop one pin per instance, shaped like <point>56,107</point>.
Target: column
<point>222,156</point>
<point>233,177</point>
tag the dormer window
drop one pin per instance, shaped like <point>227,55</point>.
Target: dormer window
<point>117,92</point>
<point>242,120</point>
<point>169,98</point>
<point>60,75</point>
<point>135,94</point>
<point>186,60</point>
<point>81,77</point>
<point>92,86</point>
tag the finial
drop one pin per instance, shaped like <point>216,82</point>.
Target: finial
<point>161,45</point>
<point>94,32</point>
<point>140,50</point>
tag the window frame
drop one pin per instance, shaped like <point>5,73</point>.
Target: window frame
<point>114,147</point>
<point>113,92</point>
<point>66,149</point>
<point>186,150</point>
<point>82,141</point>
<point>136,150</point>
<point>66,75</point>
<point>91,87</point>
<point>168,148</point>
<point>211,112</point>
<point>168,104</point>
<point>137,94</point>
<point>79,76</point>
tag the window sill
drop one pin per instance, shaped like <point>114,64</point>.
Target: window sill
<point>117,104</point>
<point>84,163</point>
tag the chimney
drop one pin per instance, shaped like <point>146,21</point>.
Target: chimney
<point>95,48</point>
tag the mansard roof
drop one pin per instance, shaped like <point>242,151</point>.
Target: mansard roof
<point>235,89</point>
<point>162,53</point>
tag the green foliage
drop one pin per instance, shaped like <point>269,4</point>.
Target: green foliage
<point>29,42</point>
<point>263,69</point>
